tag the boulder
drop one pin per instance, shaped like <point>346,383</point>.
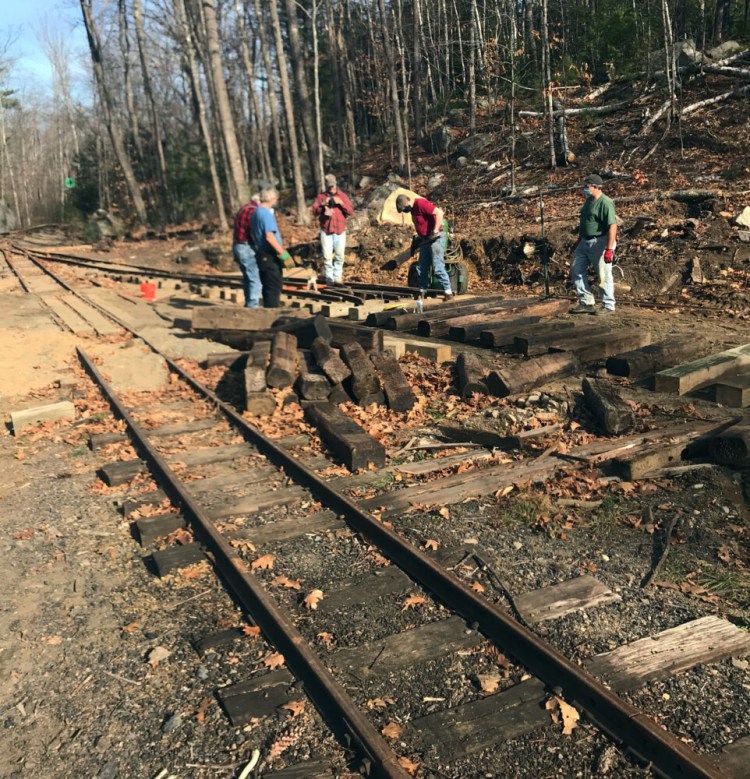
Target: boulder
<point>743,218</point>
<point>475,145</point>
<point>106,225</point>
<point>388,211</point>
<point>456,117</point>
<point>364,181</point>
<point>440,140</point>
<point>686,53</point>
<point>462,162</point>
<point>374,201</point>
<point>7,218</point>
<point>726,49</point>
<point>435,180</point>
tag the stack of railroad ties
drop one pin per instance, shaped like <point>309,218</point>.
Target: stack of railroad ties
<point>328,362</point>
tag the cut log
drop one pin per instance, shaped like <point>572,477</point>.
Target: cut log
<point>363,381</point>
<point>734,392</point>
<point>503,336</point>
<point>531,374</point>
<point>282,368</point>
<point>732,447</point>
<point>312,383</point>
<point>305,330</point>
<point>353,445</point>
<point>348,332</point>
<point>470,374</point>
<point>240,318</point>
<point>596,347</point>
<point>466,328</point>
<point>542,341</point>
<point>258,400</point>
<point>50,412</point>
<point>474,332</point>
<point>612,413</point>
<point>329,361</point>
<point>655,357</point>
<point>495,440</point>
<point>398,393</point>
<point>700,373</point>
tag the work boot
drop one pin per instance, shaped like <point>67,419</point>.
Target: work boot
<point>447,296</point>
<point>582,308</point>
<point>604,311</point>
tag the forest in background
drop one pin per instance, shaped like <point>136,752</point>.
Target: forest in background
<point>189,104</point>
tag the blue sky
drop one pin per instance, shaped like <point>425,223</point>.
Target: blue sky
<point>21,20</point>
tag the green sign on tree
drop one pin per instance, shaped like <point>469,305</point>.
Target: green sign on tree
<point>70,183</point>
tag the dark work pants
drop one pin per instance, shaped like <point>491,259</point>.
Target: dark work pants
<point>271,279</point>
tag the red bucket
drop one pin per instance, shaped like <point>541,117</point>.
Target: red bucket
<point>148,291</point>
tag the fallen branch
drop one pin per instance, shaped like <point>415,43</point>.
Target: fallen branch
<point>602,109</point>
<point>713,100</point>
<point>656,567</point>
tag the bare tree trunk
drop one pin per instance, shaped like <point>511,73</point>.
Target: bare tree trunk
<point>303,95</point>
<point>393,84</point>
<point>472,74</point>
<point>135,130</point>
<point>238,188</point>
<point>286,93</point>
<point>416,65</point>
<point>113,127</point>
<point>547,84</point>
<point>161,159</point>
<point>316,89</point>
<point>512,104</point>
<point>200,108</point>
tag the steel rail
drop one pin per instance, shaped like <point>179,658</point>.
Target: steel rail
<point>24,285</point>
<point>622,722</point>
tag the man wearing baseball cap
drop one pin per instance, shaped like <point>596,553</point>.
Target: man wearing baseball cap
<point>597,241</point>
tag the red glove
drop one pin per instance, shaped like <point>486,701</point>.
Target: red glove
<point>608,255</point>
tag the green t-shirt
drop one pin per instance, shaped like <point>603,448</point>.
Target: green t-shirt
<point>596,216</point>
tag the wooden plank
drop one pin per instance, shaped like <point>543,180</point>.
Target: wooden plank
<point>421,467</point>
<point>365,589</point>
<point>329,361</point>
<point>217,640</point>
<point>282,366</point>
<point>734,759</point>
<point>700,373</point>
<point>531,374</point>
<point>470,374</point>
<point>249,504</point>
<point>293,527</point>
<point>306,330</point>
<point>436,352</point>
<point>115,474</point>
<point>395,345</point>
<point>467,328</point>
<point>398,393</point>
<point>151,528</point>
<point>494,440</point>
<point>256,697</point>
<point>47,413</point>
<point>438,323</point>
<point>557,600</point>
<point>350,442</point>
<point>593,348</point>
<point>233,360</point>
<point>101,324</point>
<point>656,357</point>
<point>419,645</point>
<point>474,331</point>
<point>349,333</point>
<point>71,319</point>
<point>258,400</point>
<point>137,501</point>
<point>702,640</point>
<point>363,380</point>
<point>503,336</point>
<point>173,557</point>
<point>734,391</point>
<point>241,318</point>
<point>612,413</point>
<point>306,770</point>
<point>540,342</point>
<point>312,383</point>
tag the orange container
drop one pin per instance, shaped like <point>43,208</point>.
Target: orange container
<point>148,291</point>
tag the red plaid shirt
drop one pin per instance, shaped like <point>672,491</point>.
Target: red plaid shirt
<point>335,224</point>
<point>242,222</point>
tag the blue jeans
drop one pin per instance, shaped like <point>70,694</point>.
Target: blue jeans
<point>590,251</point>
<point>333,255</point>
<point>244,256</point>
<point>432,255</point>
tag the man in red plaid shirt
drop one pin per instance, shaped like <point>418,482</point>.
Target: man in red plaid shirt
<point>332,207</point>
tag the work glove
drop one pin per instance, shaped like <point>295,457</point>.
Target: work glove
<point>608,256</point>
<point>286,260</point>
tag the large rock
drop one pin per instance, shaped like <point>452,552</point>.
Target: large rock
<point>440,140</point>
<point>374,201</point>
<point>686,53</point>
<point>7,218</point>
<point>456,117</point>
<point>474,145</point>
<point>106,225</point>
<point>388,211</point>
<point>725,49</point>
<point>435,180</point>
<point>743,218</point>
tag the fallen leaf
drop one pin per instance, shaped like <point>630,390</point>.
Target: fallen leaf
<point>24,535</point>
<point>327,639</point>
<point>409,766</point>
<point>477,587</point>
<point>489,682</point>
<point>20,455</point>
<point>312,600</point>
<point>392,730</point>
<point>200,713</point>
<point>412,601</point>
<point>53,640</point>
<point>379,703</point>
<point>194,571</point>
<point>157,654</point>
<point>296,707</point>
<point>264,563</point>
<point>275,660</point>
<point>570,714</point>
<point>131,627</point>
<point>504,491</point>
<point>430,543</point>
<point>251,630</point>
<point>445,512</point>
<point>590,567</point>
<point>284,581</point>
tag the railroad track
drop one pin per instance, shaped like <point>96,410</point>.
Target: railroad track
<point>249,516</point>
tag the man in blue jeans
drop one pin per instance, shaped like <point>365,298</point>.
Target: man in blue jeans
<point>597,241</point>
<point>244,254</point>
<point>270,253</point>
<point>432,241</point>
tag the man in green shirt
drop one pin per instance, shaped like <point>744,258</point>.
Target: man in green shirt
<point>597,241</point>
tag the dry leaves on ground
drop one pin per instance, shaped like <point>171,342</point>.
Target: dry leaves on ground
<point>251,630</point>
<point>296,707</point>
<point>408,765</point>
<point>327,639</point>
<point>312,600</point>
<point>413,601</point>
<point>380,703</point>
<point>200,713</point>
<point>285,581</point>
<point>569,714</point>
<point>392,730</point>
<point>430,543</point>
<point>264,563</point>
<point>477,587</point>
<point>273,661</point>
<point>157,654</point>
<point>489,682</point>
